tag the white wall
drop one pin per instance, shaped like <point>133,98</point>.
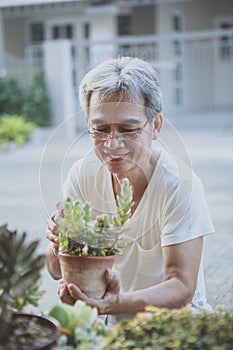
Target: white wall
<point>58,69</point>
<point>202,69</point>
<point>14,36</point>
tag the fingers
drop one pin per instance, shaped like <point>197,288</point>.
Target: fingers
<point>53,226</point>
<point>114,282</point>
<point>52,238</point>
<point>60,207</point>
<point>64,294</point>
<point>71,293</point>
<point>112,295</point>
<point>57,217</point>
<point>76,293</point>
<point>52,231</point>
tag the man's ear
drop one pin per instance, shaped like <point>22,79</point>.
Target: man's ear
<point>86,119</point>
<point>157,125</point>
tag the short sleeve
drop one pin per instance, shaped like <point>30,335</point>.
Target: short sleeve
<point>185,214</point>
<point>71,187</point>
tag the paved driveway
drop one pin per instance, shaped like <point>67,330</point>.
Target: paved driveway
<point>28,171</point>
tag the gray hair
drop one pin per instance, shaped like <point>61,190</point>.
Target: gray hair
<point>129,75</point>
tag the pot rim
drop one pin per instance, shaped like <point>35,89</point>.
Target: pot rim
<point>100,257</point>
<point>48,321</point>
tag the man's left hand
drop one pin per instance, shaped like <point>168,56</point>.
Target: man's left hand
<point>71,293</point>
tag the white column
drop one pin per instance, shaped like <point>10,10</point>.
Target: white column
<point>58,72</point>
<point>1,32</point>
<point>103,27</point>
<point>2,46</point>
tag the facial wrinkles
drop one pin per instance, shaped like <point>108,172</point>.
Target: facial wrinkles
<point>116,107</point>
<point>113,114</point>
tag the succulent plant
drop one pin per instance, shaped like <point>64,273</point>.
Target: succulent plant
<point>156,328</point>
<point>80,234</point>
<point>19,276</point>
<point>80,328</point>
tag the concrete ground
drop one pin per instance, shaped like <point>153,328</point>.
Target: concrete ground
<point>30,178</point>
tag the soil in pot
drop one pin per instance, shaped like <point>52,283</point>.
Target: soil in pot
<point>88,272</point>
<point>31,332</point>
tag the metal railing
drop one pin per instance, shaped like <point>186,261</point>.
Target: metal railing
<point>195,68</point>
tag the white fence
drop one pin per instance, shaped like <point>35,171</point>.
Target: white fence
<point>12,66</point>
<point>195,68</point>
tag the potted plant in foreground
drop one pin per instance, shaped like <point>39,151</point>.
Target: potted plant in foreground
<point>20,272</point>
<point>80,327</point>
<point>155,328</point>
<point>88,246</point>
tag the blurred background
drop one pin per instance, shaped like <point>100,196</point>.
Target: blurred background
<point>188,41</point>
<point>46,47</point>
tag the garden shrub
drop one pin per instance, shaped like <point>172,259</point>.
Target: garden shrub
<point>156,328</point>
<point>11,96</point>
<point>31,102</point>
<point>14,128</point>
<point>164,329</point>
<point>36,107</point>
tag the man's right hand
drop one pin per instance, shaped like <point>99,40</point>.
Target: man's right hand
<point>52,233</point>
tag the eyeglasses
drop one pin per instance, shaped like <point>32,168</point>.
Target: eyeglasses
<point>125,134</point>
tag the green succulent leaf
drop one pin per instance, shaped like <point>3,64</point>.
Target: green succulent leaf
<point>80,234</point>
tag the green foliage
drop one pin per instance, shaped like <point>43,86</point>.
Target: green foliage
<point>81,235</point>
<point>36,107</point>
<point>32,102</point>
<point>125,203</point>
<point>11,96</point>
<point>79,326</point>
<point>14,128</point>
<point>164,329</point>
<point>20,272</point>
<point>156,328</point>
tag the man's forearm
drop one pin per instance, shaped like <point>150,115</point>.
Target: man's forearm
<point>171,294</point>
<point>52,263</point>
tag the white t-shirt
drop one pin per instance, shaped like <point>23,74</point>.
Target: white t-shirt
<point>172,210</point>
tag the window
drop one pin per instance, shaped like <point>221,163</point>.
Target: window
<point>69,31</point>
<point>124,24</point>
<point>62,32</point>
<point>86,30</point>
<point>178,72</point>
<point>177,26</point>
<point>178,97</point>
<point>86,49</point>
<point>177,47</point>
<point>226,42</point>
<point>177,22</point>
<point>37,32</point>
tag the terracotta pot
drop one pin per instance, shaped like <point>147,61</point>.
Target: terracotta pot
<point>88,272</point>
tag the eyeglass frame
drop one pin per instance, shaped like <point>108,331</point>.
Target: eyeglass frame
<point>120,135</point>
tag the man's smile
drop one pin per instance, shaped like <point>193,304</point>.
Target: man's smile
<point>116,157</point>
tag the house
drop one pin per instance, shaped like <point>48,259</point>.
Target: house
<point>190,42</point>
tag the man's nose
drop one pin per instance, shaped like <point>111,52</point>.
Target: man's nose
<point>114,140</point>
